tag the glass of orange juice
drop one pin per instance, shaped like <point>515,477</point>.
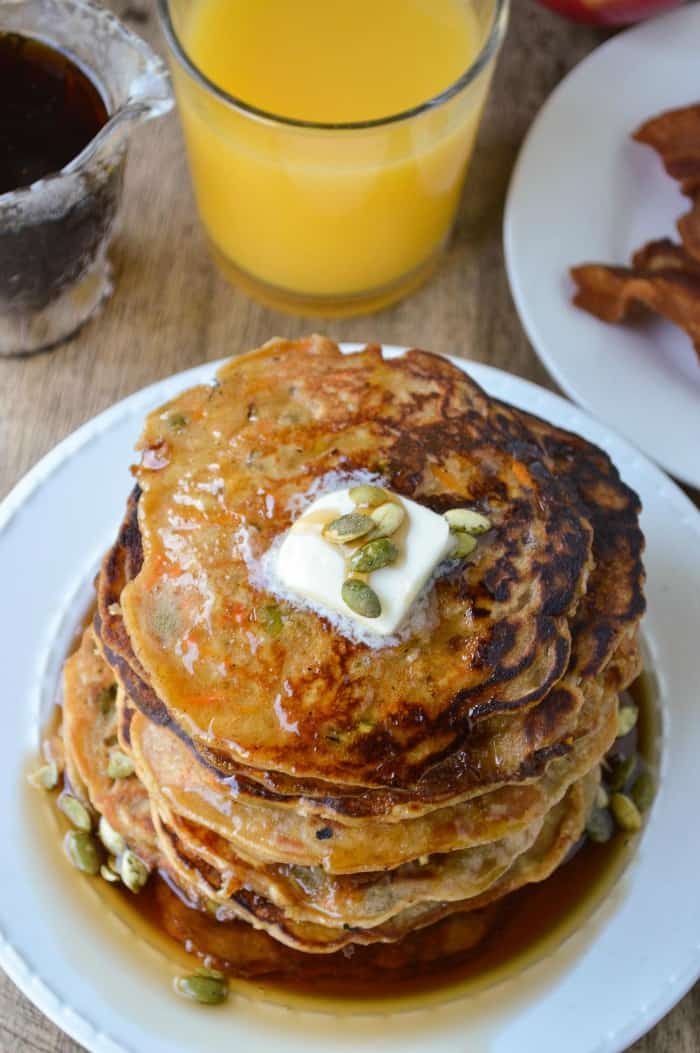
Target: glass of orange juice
<point>328,139</point>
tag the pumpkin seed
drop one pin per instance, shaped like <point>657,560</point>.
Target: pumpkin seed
<point>133,871</point>
<point>600,826</point>
<point>106,699</point>
<point>626,719</point>
<point>360,598</point>
<point>643,791</point>
<point>108,874</point>
<point>349,527</point>
<point>207,990</point>
<point>387,519</point>
<point>602,797</point>
<point>374,555</point>
<point>83,851</point>
<point>120,766</point>
<point>177,421</point>
<point>113,841</point>
<point>271,620</point>
<point>466,519</point>
<point>621,772</point>
<point>626,813</point>
<point>464,545</point>
<point>44,778</point>
<point>75,811</point>
<point>368,495</point>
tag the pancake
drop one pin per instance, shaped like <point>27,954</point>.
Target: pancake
<point>559,833</point>
<point>317,788</point>
<point>269,833</point>
<point>122,802</point>
<point>502,638</point>
<point>608,617</point>
<point>90,733</point>
<point>618,573</point>
<point>426,891</point>
<point>307,894</point>
<point>499,750</point>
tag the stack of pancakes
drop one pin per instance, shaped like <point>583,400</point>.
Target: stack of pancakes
<point>327,789</point>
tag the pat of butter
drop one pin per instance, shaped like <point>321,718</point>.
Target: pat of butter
<point>314,569</point>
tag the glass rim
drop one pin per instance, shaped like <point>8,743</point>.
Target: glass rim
<point>488,50</point>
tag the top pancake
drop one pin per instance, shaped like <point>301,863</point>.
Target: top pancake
<point>221,475</point>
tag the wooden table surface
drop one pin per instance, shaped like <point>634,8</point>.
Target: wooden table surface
<point>172,310</point>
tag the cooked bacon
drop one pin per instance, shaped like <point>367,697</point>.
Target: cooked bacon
<point>664,255</point>
<point>617,294</point>
<point>689,229</point>
<point>665,275</point>
<point>675,135</point>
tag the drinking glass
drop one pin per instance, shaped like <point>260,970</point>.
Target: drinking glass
<point>320,218</point>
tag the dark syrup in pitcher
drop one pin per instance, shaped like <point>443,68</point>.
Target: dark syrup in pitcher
<point>51,111</point>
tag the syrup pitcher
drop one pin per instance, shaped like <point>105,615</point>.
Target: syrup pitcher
<point>82,82</point>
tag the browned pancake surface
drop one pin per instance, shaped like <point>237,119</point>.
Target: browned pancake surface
<point>222,467</point>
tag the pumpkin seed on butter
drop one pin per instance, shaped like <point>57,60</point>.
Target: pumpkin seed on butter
<point>374,555</point>
<point>75,812</point>
<point>360,598</point>
<point>348,528</point>
<point>83,851</point>
<point>387,518</point>
<point>371,496</point>
<point>467,520</point>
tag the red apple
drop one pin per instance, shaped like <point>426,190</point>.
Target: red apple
<point>609,12</point>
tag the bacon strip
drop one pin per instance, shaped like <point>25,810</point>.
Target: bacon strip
<point>616,294</point>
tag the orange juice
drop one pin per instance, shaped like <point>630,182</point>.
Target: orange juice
<point>328,215</point>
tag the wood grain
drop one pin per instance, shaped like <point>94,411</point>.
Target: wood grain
<point>172,310</point>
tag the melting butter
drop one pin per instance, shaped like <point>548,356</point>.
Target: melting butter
<point>314,569</point>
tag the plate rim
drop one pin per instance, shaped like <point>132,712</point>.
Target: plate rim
<point>34,986</point>
<point>529,321</point>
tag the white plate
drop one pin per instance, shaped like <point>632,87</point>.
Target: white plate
<point>603,988</point>
<point>583,191</point>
